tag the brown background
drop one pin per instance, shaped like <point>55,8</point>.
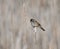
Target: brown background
<point>16,31</point>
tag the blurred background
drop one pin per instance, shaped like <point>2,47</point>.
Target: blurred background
<point>16,31</point>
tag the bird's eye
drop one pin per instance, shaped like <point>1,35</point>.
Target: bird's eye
<point>31,20</point>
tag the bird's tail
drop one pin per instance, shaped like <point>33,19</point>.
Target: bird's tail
<point>42,28</point>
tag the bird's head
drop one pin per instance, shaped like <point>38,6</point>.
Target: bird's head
<point>32,20</point>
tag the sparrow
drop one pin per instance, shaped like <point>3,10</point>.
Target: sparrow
<point>34,24</point>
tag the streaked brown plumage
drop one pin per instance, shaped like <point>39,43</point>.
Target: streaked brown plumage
<point>34,23</point>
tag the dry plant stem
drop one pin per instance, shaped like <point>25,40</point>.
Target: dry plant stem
<point>35,30</point>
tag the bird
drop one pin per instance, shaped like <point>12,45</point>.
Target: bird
<point>35,24</point>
